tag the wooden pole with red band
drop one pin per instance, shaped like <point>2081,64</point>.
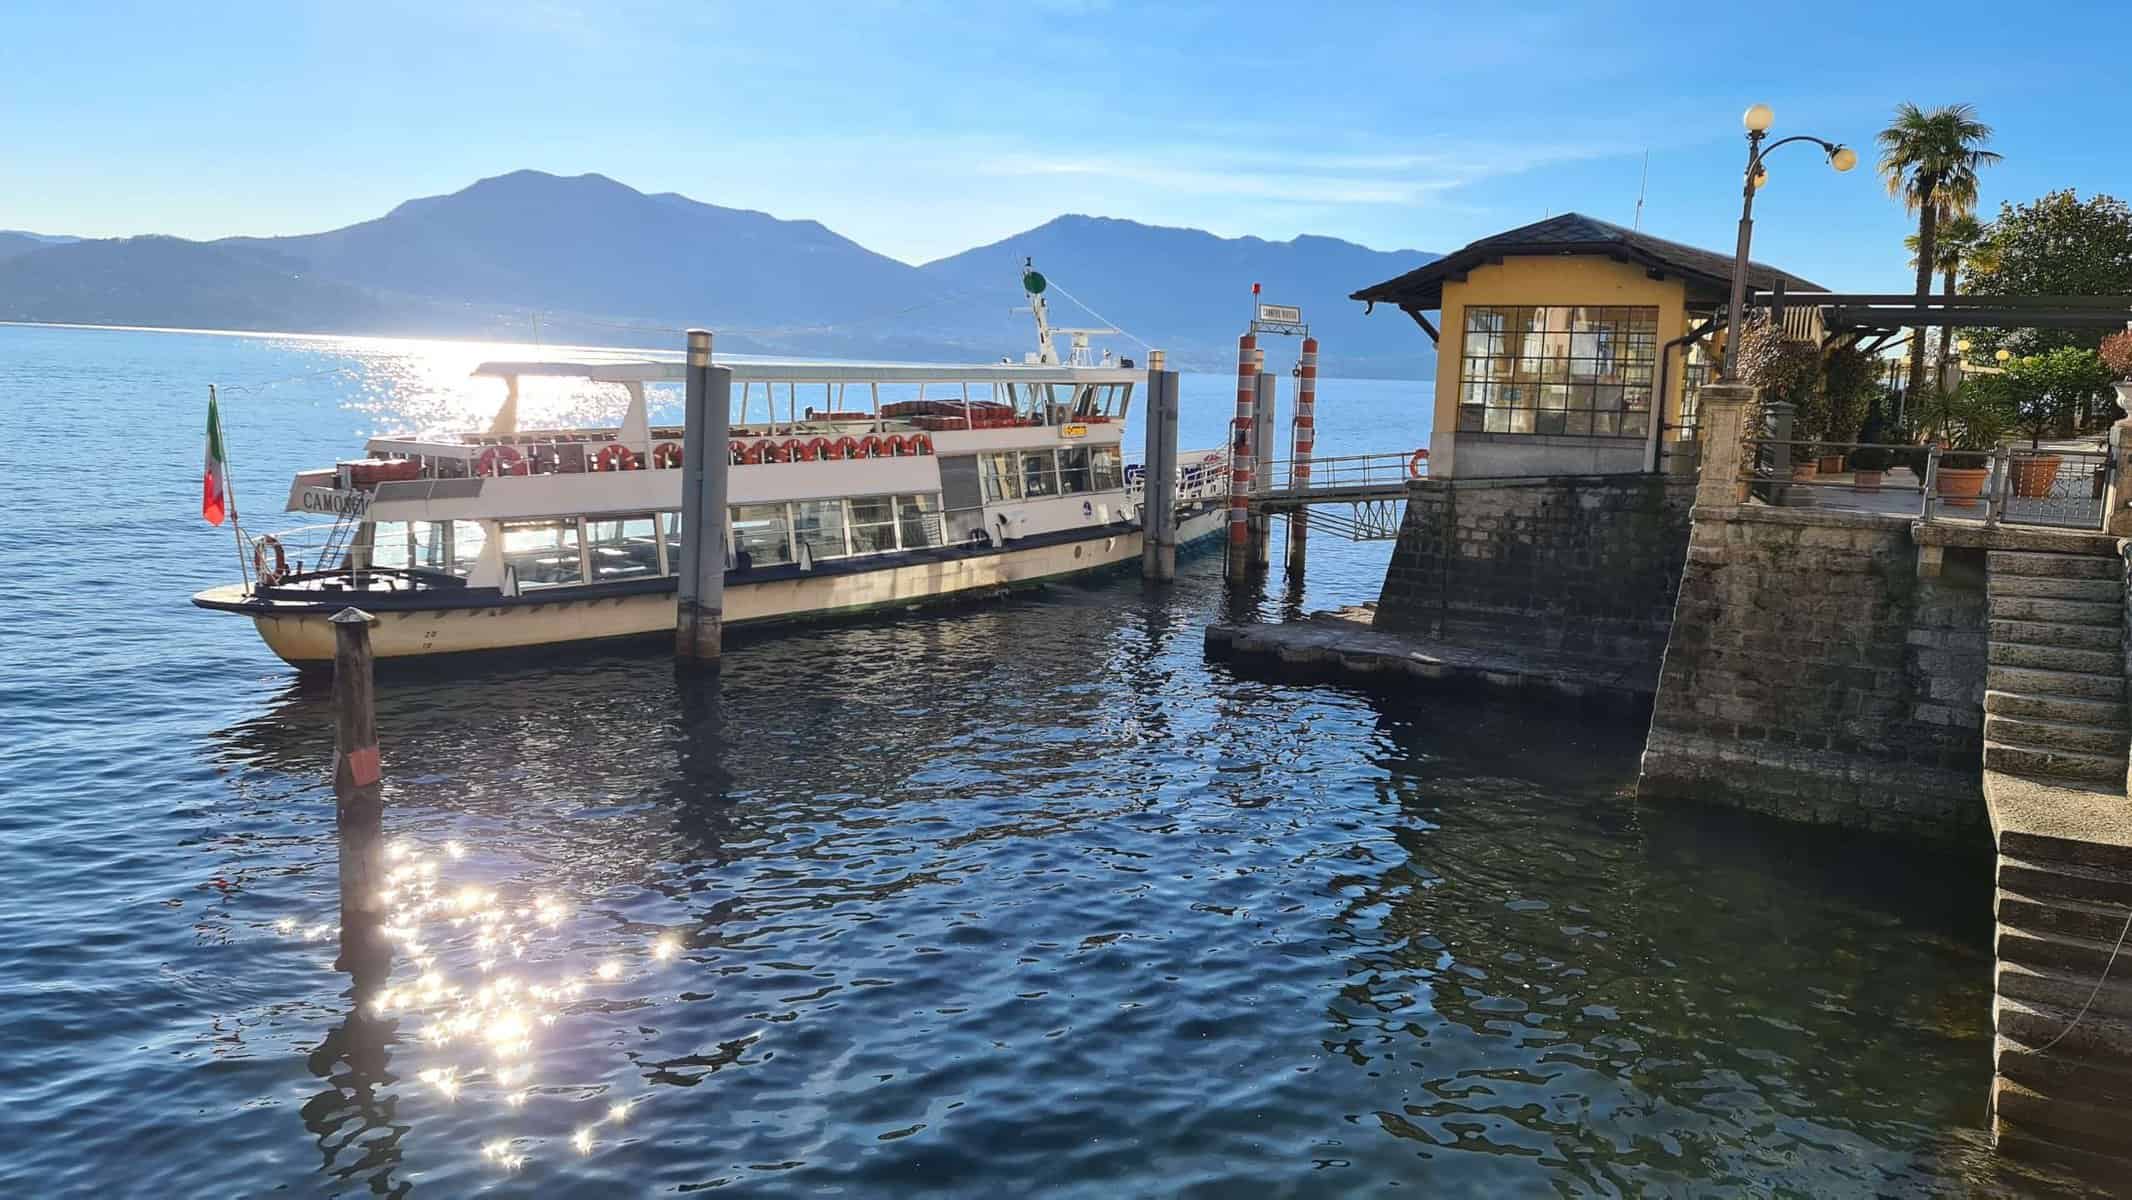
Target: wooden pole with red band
<point>1241,454</point>
<point>1305,441</point>
<point>358,788</point>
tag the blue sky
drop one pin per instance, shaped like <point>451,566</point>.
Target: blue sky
<point>924,128</point>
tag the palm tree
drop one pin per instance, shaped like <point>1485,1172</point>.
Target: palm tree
<point>1930,158</point>
<point>1961,240</point>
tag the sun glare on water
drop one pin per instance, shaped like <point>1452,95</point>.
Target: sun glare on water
<point>476,983</point>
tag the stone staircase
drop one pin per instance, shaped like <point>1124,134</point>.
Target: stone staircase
<point>2054,704</point>
<point>2061,1092</point>
<point>2055,756</point>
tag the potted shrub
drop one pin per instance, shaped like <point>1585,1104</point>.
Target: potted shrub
<point>1785,371</point>
<point>1969,424</point>
<point>1867,465</point>
<point>2042,391</point>
<point>2116,353</point>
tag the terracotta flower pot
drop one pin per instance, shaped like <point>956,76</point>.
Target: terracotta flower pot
<point>1865,481</point>
<point>1802,472</point>
<point>1960,486</point>
<point>2033,477</point>
<point>1831,464</point>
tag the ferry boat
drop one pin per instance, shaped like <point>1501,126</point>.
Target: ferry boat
<point>852,487</point>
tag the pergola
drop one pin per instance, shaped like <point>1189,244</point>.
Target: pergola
<point>1872,319</point>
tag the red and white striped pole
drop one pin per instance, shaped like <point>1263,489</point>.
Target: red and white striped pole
<point>1305,438</point>
<point>1240,456</point>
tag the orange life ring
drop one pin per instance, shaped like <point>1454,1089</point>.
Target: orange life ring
<point>874,446</point>
<point>846,447</point>
<point>666,455</point>
<point>615,456</point>
<point>1415,463</point>
<point>919,443</point>
<point>753,455</point>
<point>269,576</point>
<point>737,452</point>
<point>499,460</point>
<point>789,450</point>
<point>816,449</point>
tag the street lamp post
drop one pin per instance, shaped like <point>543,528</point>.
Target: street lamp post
<point>1758,119</point>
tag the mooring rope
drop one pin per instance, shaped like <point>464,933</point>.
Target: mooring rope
<point>2098,985</point>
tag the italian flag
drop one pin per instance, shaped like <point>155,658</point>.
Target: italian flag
<point>214,482</point>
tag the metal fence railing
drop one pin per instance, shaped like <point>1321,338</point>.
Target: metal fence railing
<point>1346,471</point>
<point>2008,485</point>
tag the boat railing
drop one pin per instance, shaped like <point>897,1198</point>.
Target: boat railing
<point>1201,475</point>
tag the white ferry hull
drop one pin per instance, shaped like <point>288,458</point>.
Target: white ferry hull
<point>304,638</point>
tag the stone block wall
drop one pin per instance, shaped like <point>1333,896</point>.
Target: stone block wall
<point>1585,564</point>
<point>1813,675</point>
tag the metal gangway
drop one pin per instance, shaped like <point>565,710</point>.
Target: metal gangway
<point>1356,496</point>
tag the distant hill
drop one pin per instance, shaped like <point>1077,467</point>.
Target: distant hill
<point>586,259</point>
<point>17,241</point>
<point>173,282</point>
<point>1188,291</point>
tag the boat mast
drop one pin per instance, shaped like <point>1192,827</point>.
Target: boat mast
<point>1033,284</point>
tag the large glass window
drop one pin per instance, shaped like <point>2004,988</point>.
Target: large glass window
<point>819,525</point>
<point>1073,471</point>
<point>542,553</point>
<point>919,520</point>
<point>873,524</point>
<point>468,540</point>
<point>1040,473</point>
<point>1106,469</point>
<point>759,532</point>
<point>622,548</point>
<point>1002,476</point>
<point>1577,371</point>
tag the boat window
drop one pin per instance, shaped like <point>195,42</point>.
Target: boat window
<point>388,544</point>
<point>623,548</point>
<point>1040,473</point>
<point>919,519</point>
<point>542,553</point>
<point>429,545</point>
<point>760,532</point>
<point>1106,468</point>
<point>1073,471</point>
<point>819,525</point>
<point>1003,476</point>
<point>873,524</point>
<point>468,540</point>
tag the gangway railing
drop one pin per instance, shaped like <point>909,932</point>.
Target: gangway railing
<point>1201,475</point>
<point>1387,470</point>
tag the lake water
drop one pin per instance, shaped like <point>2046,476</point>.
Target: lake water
<point>984,901</point>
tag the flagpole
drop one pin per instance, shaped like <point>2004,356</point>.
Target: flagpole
<point>229,489</point>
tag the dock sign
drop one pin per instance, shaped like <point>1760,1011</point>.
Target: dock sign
<point>335,502</point>
<point>1280,314</point>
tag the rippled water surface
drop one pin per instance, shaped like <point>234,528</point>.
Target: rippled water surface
<point>986,901</point>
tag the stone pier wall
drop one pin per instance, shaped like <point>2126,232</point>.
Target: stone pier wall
<point>1813,675</point>
<point>1582,564</point>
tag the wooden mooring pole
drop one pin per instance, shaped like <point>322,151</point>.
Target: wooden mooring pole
<point>1262,443</point>
<point>358,791</point>
<point>699,616</point>
<point>1158,493</point>
<point>1304,443</point>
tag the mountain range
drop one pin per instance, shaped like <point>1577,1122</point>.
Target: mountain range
<point>536,257</point>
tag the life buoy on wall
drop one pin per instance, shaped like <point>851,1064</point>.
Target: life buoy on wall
<point>615,456</point>
<point>846,447</point>
<point>262,548</point>
<point>666,455</point>
<point>1416,463</point>
<point>499,460</point>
